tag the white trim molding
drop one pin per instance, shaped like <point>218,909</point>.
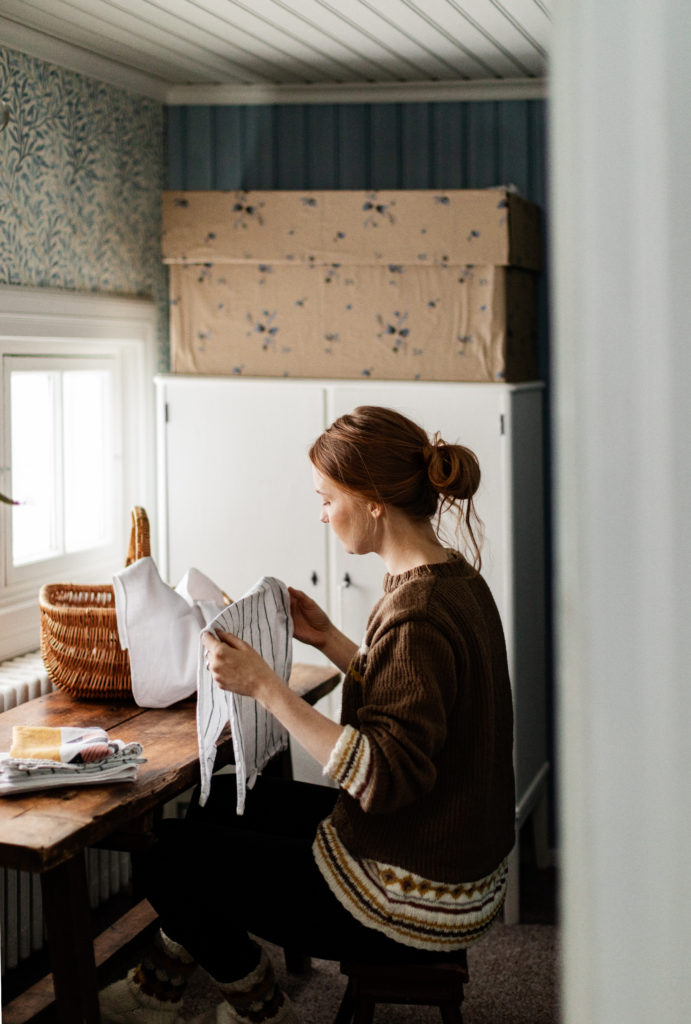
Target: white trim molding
<point>621,161</point>
<point>74,58</point>
<point>359,92</point>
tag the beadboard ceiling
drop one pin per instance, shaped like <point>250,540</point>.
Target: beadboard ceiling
<point>244,51</point>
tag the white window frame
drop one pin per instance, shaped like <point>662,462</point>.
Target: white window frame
<point>55,323</point>
<point>58,564</point>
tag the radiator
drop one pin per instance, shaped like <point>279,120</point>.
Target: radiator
<point>108,872</point>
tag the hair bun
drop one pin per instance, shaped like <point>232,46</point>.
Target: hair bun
<point>452,470</point>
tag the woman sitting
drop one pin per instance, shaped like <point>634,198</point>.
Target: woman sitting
<point>404,859</point>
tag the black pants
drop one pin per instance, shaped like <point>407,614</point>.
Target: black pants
<point>215,876</point>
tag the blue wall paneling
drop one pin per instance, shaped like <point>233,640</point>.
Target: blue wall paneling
<point>359,146</point>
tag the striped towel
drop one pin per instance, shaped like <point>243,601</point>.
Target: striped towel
<point>30,775</point>
<point>262,619</point>
<point>42,757</point>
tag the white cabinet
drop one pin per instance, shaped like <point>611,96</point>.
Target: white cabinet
<point>237,502</point>
<point>237,498</point>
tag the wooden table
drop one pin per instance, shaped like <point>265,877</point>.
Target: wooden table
<point>49,832</point>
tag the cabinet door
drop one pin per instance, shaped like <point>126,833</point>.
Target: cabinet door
<point>238,483</point>
<point>466,414</point>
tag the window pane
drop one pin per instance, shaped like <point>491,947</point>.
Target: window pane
<point>34,469</point>
<point>61,461</point>
<point>86,458</point>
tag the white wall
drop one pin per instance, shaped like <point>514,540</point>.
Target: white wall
<point>621,167</point>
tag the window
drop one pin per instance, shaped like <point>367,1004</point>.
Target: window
<point>76,443</point>
<point>63,452</point>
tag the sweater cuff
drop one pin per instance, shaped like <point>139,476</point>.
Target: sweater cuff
<point>350,762</point>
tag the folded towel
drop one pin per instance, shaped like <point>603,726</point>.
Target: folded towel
<point>262,619</point>
<point>68,744</point>
<point>42,757</point>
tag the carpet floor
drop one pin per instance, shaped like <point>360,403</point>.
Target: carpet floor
<point>514,973</point>
<point>513,980</point>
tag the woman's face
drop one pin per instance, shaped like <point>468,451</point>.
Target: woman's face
<point>346,514</point>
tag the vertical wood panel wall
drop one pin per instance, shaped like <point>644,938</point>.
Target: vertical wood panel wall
<point>359,146</point>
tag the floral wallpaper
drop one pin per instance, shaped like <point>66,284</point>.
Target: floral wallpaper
<point>81,174</point>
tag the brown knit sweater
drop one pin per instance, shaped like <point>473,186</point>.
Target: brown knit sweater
<point>429,698</point>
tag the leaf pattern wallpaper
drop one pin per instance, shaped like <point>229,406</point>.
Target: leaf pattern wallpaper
<point>81,172</point>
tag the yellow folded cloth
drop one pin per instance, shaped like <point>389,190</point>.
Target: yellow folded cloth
<point>66,744</point>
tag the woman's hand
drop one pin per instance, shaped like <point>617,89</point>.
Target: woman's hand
<point>236,666</point>
<point>311,624</point>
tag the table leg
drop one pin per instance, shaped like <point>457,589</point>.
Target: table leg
<point>67,917</point>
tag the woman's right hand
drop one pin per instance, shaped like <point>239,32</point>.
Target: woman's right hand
<point>311,624</point>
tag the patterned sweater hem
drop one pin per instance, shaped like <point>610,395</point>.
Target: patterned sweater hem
<point>404,906</point>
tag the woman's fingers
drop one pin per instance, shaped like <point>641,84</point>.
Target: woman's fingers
<point>231,640</point>
<point>209,641</point>
<point>214,642</point>
<point>214,647</point>
<point>234,664</point>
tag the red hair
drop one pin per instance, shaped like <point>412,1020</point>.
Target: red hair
<point>382,456</point>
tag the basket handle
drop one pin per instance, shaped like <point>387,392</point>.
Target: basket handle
<point>140,543</point>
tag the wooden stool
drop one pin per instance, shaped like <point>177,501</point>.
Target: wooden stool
<point>434,984</point>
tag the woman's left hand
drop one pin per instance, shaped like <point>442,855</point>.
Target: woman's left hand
<point>236,666</point>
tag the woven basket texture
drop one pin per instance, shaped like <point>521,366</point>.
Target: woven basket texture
<point>80,645</point>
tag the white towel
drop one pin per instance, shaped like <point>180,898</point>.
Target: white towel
<point>160,627</point>
<point>262,619</point>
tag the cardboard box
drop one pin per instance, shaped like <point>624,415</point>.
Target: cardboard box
<point>416,227</point>
<point>471,323</point>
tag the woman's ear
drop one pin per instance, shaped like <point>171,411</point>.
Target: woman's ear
<point>376,511</point>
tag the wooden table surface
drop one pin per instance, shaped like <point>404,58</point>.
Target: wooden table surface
<point>39,830</point>
<point>47,832</point>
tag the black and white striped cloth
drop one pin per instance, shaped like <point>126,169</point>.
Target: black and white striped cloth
<point>23,775</point>
<point>262,619</point>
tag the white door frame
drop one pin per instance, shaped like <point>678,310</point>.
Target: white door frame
<point>621,164</point>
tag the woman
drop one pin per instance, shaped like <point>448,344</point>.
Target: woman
<point>406,859</point>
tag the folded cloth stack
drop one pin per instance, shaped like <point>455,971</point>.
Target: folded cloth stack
<point>45,756</point>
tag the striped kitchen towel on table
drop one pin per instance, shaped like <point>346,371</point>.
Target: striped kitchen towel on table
<point>262,619</point>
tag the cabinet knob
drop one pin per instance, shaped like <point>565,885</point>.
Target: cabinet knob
<point>347,580</point>
<point>314,578</point>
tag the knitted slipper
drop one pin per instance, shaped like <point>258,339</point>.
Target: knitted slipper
<point>123,1002</point>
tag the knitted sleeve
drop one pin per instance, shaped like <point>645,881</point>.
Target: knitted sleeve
<point>395,722</point>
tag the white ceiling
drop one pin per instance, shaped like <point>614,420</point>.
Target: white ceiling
<point>185,51</point>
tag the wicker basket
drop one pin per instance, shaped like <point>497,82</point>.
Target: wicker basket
<point>80,645</point>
